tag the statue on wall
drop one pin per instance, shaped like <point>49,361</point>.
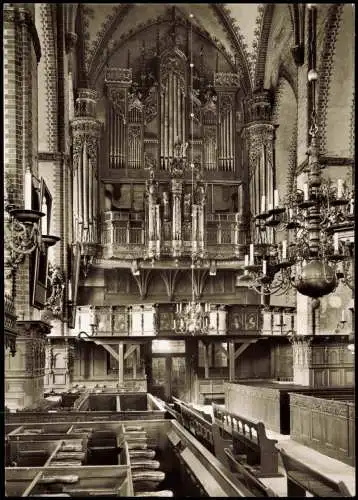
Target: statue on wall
<point>135,97</point>
<point>187,206</point>
<point>179,162</point>
<point>166,206</point>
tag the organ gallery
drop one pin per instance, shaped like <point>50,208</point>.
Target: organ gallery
<point>179,249</point>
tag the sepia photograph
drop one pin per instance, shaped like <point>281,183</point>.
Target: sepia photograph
<point>179,247</point>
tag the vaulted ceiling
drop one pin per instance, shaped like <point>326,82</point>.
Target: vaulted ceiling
<point>239,31</point>
<point>233,28</point>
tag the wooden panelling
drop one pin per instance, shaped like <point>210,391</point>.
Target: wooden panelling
<point>326,425</point>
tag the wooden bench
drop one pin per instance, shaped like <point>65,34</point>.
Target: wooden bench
<point>249,441</point>
<point>252,483</point>
<point>194,422</point>
<point>301,478</point>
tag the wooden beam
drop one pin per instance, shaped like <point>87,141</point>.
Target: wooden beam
<point>223,350</point>
<point>243,348</point>
<point>108,348</point>
<point>130,350</point>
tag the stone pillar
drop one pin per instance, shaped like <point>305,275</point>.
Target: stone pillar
<point>192,362</point>
<point>86,134</point>
<point>259,135</point>
<point>25,371</point>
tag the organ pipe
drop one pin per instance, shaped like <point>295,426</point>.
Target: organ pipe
<point>85,190</point>
<point>75,200</point>
<point>90,199</point>
<point>80,196</point>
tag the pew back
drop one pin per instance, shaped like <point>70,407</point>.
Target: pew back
<point>249,438</point>
<point>301,478</point>
<point>251,482</point>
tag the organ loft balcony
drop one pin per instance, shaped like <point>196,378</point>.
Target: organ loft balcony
<point>126,236</point>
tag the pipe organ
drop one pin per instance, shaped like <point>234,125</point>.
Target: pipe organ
<point>171,120</point>
<point>146,122</point>
<point>86,135</point>
<point>173,113</point>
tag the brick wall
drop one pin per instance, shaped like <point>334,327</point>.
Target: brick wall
<point>20,67</point>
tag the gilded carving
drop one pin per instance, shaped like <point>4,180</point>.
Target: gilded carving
<point>226,80</point>
<point>56,285</point>
<point>151,104</point>
<point>117,96</point>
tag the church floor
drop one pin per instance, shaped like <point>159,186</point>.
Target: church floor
<point>334,469</point>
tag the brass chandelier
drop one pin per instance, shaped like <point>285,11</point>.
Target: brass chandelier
<point>192,318</point>
<point>312,258</point>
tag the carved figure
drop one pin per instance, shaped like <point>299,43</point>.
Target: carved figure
<point>187,205</point>
<point>179,162</point>
<point>166,206</point>
<point>57,285</point>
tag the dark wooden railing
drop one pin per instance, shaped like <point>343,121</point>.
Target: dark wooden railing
<point>252,483</point>
<point>195,422</point>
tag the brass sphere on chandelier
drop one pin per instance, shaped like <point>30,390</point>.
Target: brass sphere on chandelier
<point>316,279</point>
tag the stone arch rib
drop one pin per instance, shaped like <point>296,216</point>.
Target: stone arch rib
<point>262,48</point>
<point>325,70</point>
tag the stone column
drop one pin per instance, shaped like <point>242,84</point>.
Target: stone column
<point>258,136</point>
<point>25,371</point>
<point>86,134</point>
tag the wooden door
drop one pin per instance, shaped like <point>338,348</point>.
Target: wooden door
<point>168,377</point>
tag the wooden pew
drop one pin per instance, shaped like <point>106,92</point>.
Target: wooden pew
<point>301,478</point>
<point>195,423</point>
<point>249,439</point>
<point>252,483</point>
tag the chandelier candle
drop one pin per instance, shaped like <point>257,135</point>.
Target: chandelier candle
<point>284,250</point>
<point>28,190</point>
<point>264,267</point>
<point>275,199</point>
<point>335,243</point>
<point>263,203</point>
<point>305,191</point>
<point>251,254</point>
<point>340,189</point>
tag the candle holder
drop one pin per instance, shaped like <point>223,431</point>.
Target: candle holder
<point>22,234</point>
